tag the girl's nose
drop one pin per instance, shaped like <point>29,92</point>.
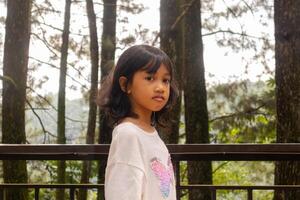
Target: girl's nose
<point>159,87</point>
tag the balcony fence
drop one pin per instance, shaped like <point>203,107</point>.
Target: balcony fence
<point>187,152</point>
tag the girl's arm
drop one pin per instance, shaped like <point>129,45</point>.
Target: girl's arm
<point>125,174</point>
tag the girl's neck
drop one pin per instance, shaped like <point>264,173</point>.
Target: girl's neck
<point>144,117</point>
<point>144,123</point>
<point>145,120</point>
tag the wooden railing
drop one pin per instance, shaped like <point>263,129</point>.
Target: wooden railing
<point>208,152</point>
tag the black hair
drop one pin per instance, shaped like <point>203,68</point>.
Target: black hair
<point>115,102</point>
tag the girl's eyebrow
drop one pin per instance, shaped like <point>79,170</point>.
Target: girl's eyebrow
<point>152,73</point>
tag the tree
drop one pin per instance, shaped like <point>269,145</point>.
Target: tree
<point>196,115</point>
<point>287,48</point>
<point>16,49</point>
<point>172,43</point>
<point>94,50</point>
<point>107,62</point>
<point>61,137</point>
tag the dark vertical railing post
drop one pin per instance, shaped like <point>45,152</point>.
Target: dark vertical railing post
<point>36,193</point>
<point>177,168</point>
<point>1,193</point>
<point>72,191</point>
<point>249,194</point>
<point>213,194</point>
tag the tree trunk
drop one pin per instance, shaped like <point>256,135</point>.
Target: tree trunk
<point>287,51</point>
<point>61,138</point>
<point>196,115</point>
<point>16,50</point>
<point>171,42</point>
<point>107,62</point>
<point>94,50</point>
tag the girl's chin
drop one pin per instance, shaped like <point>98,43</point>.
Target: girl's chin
<point>157,109</point>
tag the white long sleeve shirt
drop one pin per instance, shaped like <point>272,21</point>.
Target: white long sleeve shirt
<point>139,166</point>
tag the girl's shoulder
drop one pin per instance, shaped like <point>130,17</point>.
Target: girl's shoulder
<point>131,128</point>
<point>125,128</point>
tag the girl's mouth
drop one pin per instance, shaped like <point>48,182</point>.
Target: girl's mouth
<point>159,98</point>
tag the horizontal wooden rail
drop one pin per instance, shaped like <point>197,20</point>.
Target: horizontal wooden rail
<point>262,152</point>
<point>192,186</point>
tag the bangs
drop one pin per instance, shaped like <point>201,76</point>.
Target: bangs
<point>153,65</point>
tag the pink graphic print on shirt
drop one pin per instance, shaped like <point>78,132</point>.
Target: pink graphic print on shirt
<point>165,175</point>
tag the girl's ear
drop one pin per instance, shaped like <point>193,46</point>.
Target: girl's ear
<point>123,83</point>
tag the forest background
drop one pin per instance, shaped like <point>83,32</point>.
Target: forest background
<point>57,53</point>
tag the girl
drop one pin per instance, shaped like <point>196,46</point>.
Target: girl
<point>137,98</point>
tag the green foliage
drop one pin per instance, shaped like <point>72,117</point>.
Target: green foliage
<point>243,173</point>
<point>128,40</point>
<point>41,172</point>
<point>242,112</point>
<point>184,180</point>
<point>46,172</point>
<point>130,7</point>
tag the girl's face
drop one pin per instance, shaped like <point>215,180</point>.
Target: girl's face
<point>149,92</point>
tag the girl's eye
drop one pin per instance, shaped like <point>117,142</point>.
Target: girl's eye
<point>167,81</point>
<point>149,78</point>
